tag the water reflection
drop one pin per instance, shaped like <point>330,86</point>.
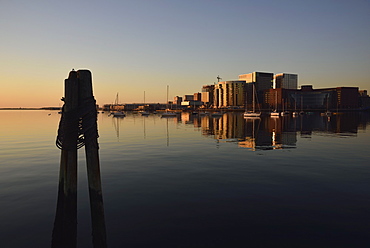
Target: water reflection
<point>267,133</point>
<point>263,133</point>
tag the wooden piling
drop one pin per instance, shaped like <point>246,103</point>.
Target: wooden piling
<point>65,225</point>
<point>79,106</point>
<point>93,164</point>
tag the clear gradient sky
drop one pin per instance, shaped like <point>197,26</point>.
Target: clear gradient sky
<point>136,46</point>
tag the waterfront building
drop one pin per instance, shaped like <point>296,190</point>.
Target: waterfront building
<point>364,100</point>
<point>177,100</point>
<point>188,98</point>
<point>363,93</point>
<point>347,97</point>
<point>286,81</point>
<point>207,94</point>
<point>192,104</point>
<point>261,80</point>
<point>308,98</point>
<point>229,93</point>
<point>197,96</point>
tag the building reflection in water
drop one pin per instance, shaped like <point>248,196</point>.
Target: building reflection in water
<point>268,133</point>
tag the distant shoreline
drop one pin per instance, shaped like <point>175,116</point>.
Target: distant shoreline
<point>211,110</point>
<point>43,108</point>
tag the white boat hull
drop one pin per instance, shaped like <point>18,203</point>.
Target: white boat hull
<point>169,114</point>
<point>251,114</point>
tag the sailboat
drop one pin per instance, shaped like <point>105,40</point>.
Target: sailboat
<point>295,113</point>
<point>275,113</point>
<point>327,112</point>
<point>118,113</point>
<point>144,112</point>
<point>253,113</point>
<point>250,141</point>
<point>168,113</point>
<point>301,112</point>
<point>286,112</point>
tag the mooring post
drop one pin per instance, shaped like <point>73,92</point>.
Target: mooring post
<point>65,226</point>
<point>70,156</point>
<point>92,159</point>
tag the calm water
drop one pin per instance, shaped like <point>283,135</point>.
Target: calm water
<point>196,182</point>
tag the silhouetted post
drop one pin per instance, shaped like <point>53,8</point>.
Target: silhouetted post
<point>65,225</point>
<point>78,127</point>
<point>92,158</point>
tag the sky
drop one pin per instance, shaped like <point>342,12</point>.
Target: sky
<point>138,46</point>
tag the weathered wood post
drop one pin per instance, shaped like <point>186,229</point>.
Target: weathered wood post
<point>65,225</point>
<point>78,127</point>
<point>89,123</point>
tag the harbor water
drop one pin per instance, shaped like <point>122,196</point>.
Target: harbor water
<point>195,181</point>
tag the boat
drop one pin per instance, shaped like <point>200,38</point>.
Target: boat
<point>217,114</point>
<point>253,113</point>
<point>144,112</point>
<point>327,112</point>
<point>284,112</point>
<point>168,112</point>
<point>301,112</point>
<point>295,113</point>
<point>275,113</point>
<point>119,114</point>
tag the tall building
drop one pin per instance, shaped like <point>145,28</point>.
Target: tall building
<point>229,93</point>
<point>261,80</point>
<point>188,97</point>
<point>197,96</point>
<point>207,94</point>
<point>177,100</point>
<point>308,98</point>
<point>286,81</point>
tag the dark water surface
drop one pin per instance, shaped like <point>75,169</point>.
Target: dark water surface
<point>196,181</point>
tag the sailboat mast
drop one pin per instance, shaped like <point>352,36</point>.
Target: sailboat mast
<point>253,99</point>
<point>276,104</point>
<point>167,97</point>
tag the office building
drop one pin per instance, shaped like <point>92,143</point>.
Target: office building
<point>177,100</point>
<point>286,81</point>
<point>308,98</point>
<point>188,98</point>
<point>207,94</point>
<point>229,93</point>
<point>261,80</point>
<point>197,96</point>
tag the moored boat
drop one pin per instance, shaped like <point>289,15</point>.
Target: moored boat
<point>253,113</point>
<point>119,114</point>
<point>275,114</point>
